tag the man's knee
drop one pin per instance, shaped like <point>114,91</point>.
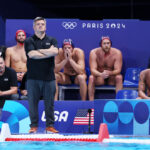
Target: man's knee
<point>119,78</point>
<point>81,78</point>
<point>91,79</point>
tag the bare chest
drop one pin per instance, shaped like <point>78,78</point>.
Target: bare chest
<point>105,62</point>
<point>18,56</point>
<point>68,67</point>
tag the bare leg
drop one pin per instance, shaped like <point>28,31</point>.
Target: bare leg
<point>119,81</point>
<point>91,88</point>
<point>62,79</point>
<point>81,80</point>
<point>56,93</point>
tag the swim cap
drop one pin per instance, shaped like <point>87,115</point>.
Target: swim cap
<point>104,38</point>
<point>18,31</point>
<point>67,42</point>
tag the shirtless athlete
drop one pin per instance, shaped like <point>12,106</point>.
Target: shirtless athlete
<point>16,57</point>
<point>144,85</point>
<point>72,61</point>
<point>105,66</point>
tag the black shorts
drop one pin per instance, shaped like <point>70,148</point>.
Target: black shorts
<point>72,79</point>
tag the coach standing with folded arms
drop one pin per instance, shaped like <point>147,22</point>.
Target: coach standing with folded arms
<point>40,50</point>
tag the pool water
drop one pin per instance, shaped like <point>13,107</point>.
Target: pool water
<point>24,145</point>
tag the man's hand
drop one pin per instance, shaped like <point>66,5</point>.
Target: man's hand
<point>66,55</point>
<point>20,76</point>
<point>69,55</point>
<point>24,92</point>
<point>105,74</point>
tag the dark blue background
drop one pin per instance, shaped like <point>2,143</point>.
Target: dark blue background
<point>132,38</point>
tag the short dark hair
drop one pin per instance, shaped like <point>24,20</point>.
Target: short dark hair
<point>37,19</point>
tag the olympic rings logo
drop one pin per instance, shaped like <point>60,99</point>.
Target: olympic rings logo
<point>69,25</point>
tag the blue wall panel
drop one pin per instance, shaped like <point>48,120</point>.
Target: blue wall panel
<point>128,117</point>
<point>2,31</point>
<point>130,36</point>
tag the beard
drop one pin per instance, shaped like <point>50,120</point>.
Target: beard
<point>106,50</point>
<point>19,41</point>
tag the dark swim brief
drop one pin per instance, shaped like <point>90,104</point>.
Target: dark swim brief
<point>106,81</point>
<point>72,79</point>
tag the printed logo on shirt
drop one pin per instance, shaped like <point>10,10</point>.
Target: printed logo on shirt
<point>5,79</point>
<point>48,43</point>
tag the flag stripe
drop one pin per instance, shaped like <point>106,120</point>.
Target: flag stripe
<point>82,117</point>
<point>82,123</point>
<point>84,120</point>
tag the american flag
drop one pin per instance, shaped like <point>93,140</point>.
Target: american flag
<point>82,117</point>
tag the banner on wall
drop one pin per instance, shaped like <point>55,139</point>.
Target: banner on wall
<point>70,116</point>
<point>128,117</point>
<point>123,116</point>
<point>126,35</point>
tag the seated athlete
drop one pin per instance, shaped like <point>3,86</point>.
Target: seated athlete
<point>105,66</point>
<point>72,61</point>
<point>144,85</point>
<point>16,57</point>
